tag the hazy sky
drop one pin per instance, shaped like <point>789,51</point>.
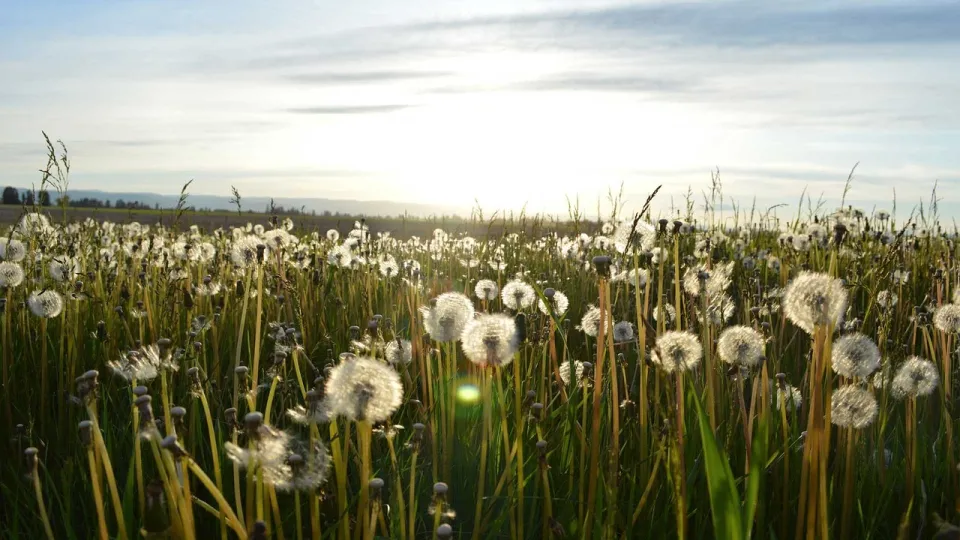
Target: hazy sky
<point>504,102</point>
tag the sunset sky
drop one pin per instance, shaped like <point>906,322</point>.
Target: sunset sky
<point>502,102</point>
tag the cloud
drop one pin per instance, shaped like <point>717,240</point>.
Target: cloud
<point>348,109</point>
<point>361,77</point>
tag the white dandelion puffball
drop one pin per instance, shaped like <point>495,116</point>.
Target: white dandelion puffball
<point>559,303</point>
<point>623,332</point>
<point>887,299</point>
<point>855,355</point>
<point>47,304</point>
<point>814,299</point>
<point>12,250</point>
<point>916,377</point>
<point>590,323</point>
<point>677,351</point>
<point>789,398</point>
<point>577,370</point>
<point>446,319</point>
<point>853,407</point>
<point>490,340</point>
<point>486,289</point>
<point>669,312</point>
<point>741,346</point>
<point>362,388</point>
<point>947,318</point>
<point>398,351</point>
<point>518,295</point>
<point>11,274</point>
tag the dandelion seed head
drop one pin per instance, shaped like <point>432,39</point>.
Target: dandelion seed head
<point>47,304</point>
<point>789,397</point>
<point>518,295</point>
<point>577,370</point>
<point>486,289</point>
<point>855,355</point>
<point>559,303</point>
<point>916,377</point>
<point>677,351</point>
<point>741,346</point>
<point>813,299</point>
<point>623,332</point>
<point>11,274</point>
<point>853,407</point>
<point>947,318</point>
<point>363,389</point>
<point>590,322</point>
<point>446,320</point>
<point>490,340</point>
<point>398,351</point>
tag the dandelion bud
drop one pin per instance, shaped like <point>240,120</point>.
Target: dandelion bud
<point>602,263</point>
<point>663,225</point>
<point>839,233</point>
<point>260,251</point>
<point>101,331</point>
<point>21,430</point>
<point>137,344</point>
<point>440,489</point>
<point>252,421</point>
<point>119,311</point>
<point>86,433</point>
<point>375,485</point>
<point>536,411</point>
<point>30,454</point>
<point>677,225</point>
<point>241,371</point>
<point>170,444</point>
<point>240,289</point>
<point>279,357</point>
<point>529,398</point>
<point>164,345</point>
<point>230,416</point>
<point>194,374</point>
<point>259,531</point>
<point>549,292</point>
<point>445,531</point>
<point>782,381</point>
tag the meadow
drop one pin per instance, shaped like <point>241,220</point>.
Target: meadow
<point>634,377</point>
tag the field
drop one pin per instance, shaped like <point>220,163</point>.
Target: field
<point>631,378</point>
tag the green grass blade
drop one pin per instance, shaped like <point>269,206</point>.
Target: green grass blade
<point>758,460</point>
<point>724,499</point>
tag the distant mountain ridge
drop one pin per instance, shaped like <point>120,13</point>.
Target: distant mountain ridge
<point>261,204</point>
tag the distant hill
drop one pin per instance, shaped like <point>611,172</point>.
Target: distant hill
<point>261,204</point>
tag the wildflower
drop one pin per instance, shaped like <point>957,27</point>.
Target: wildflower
<point>719,310</point>
<point>389,268</point>
<point>741,346</point>
<point>445,320</point>
<point>486,289</point>
<point>853,407</point>
<point>490,340</point>
<point>887,299</point>
<point>623,332</point>
<point>340,256</point>
<point>669,312</point>
<point>282,464</point>
<point>518,295</point>
<point>47,304</point>
<point>643,235</point>
<point>11,274</point>
<point>398,351</point>
<point>789,397</point>
<point>916,377</point>
<point>855,355</point>
<point>677,351</point>
<point>698,279</point>
<point>947,318</point>
<point>812,300</point>
<point>12,250</point>
<point>635,277</point>
<point>590,323</point>
<point>134,366</point>
<point>333,235</point>
<point>244,252</point>
<point>557,303</point>
<point>64,268</point>
<point>362,388</point>
<point>577,370</point>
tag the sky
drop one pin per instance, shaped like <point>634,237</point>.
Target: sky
<point>500,103</point>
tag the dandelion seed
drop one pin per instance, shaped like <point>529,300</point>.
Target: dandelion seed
<point>445,320</point>
<point>490,340</point>
<point>855,355</point>
<point>677,351</point>
<point>812,300</point>
<point>590,323</point>
<point>741,346</point>
<point>789,397</point>
<point>853,407</point>
<point>916,377</point>
<point>363,389</point>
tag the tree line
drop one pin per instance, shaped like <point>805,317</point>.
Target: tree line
<point>12,195</point>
